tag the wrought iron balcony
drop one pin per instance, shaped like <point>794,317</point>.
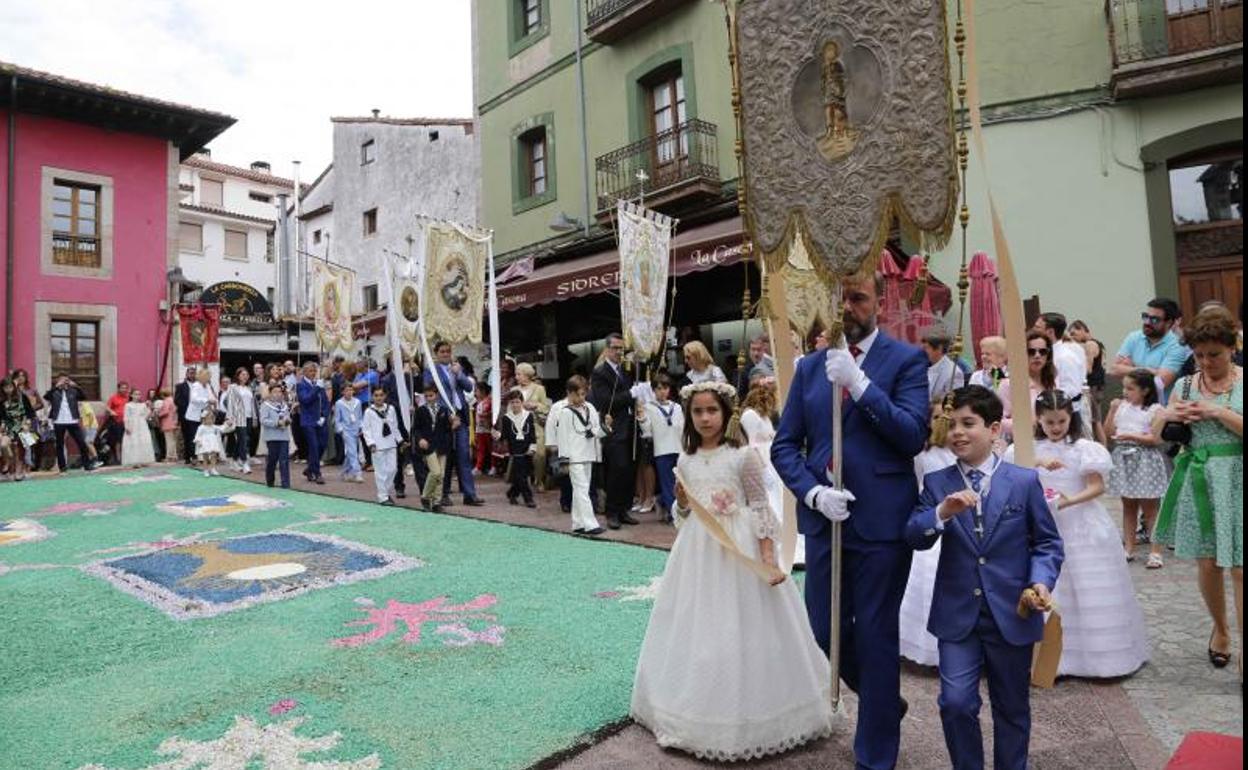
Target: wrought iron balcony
<point>676,165</point>
<point>1163,46</point>
<point>610,20</point>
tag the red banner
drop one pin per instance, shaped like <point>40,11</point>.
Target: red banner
<point>200,329</point>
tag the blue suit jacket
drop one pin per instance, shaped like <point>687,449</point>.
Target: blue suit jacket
<point>1021,547</point>
<point>313,402</point>
<point>452,384</point>
<point>884,430</point>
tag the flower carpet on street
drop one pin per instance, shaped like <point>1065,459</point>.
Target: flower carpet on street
<point>300,631</point>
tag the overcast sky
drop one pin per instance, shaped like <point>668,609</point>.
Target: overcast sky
<point>281,68</point>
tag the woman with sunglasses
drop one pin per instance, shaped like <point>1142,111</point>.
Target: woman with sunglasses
<point>1041,376</point>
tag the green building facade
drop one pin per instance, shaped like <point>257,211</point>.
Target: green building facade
<point>1114,137</point>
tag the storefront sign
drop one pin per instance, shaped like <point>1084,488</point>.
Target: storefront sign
<point>601,272</point>
<point>240,304</point>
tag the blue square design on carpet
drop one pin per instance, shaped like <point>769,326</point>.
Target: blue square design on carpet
<point>209,577</point>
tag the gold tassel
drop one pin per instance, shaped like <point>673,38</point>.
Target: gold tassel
<point>942,422</point>
<point>734,432</point>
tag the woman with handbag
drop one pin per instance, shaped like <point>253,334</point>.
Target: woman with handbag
<point>1202,514</point>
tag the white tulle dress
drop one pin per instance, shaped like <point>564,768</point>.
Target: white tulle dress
<point>136,445</point>
<point>729,669</point>
<point>1103,632</point>
<point>917,643</point>
<point>761,433</point>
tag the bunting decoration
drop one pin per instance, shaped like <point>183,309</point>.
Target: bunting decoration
<point>453,300</point>
<point>332,288</point>
<point>645,245</point>
<point>201,328</point>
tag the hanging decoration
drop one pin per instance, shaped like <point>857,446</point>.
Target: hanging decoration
<point>201,328</point>
<point>808,299</point>
<point>454,284</point>
<point>332,288</point>
<point>645,256</point>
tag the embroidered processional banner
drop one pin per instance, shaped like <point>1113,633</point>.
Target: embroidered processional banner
<point>645,245</point>
<point>201,329</point>
<point>332,289</point>
<point>847,123</point>
<point>454,287</point>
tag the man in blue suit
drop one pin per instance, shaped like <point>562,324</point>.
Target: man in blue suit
<point>885,423</point>
<point>456,385</point>
<point>1001,551</point>
<point>314,411</point>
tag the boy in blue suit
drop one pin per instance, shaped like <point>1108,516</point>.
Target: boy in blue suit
<point>1000,559</point>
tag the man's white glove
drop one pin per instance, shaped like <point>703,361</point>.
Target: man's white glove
<point>832,503</point>
<point>843,370</point>
<point>641,392</point>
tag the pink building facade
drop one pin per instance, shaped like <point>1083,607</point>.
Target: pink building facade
<point>88,227</point>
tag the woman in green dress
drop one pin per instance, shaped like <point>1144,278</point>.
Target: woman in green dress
<point>1202,515</point>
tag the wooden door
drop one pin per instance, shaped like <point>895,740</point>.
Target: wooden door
<point>1223,283</point>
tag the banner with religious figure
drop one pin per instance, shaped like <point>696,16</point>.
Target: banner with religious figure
<point>848,126</point>
<point>201,326</point>
<point>454,287</point>
<point>407,315</point>
<point>645,257</point>
<point>332,287</point>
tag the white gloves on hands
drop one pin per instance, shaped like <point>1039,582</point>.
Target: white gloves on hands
<point>842,369</point>
<point>833,503</point>
<point>641,392</point>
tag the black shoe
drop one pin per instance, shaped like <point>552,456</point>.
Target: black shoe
<point>565,508</point>
<point>512,499</point>
<point>905,707</point>
<point>426,503</point>
<point>613,522</point>
<point>578,531</point>
<point>624,517</point>
<point>445,502</point>
<point>401,494</point>
<point>596,531</point>
<point>530,504</point>
<point>319,480</point>
<point>387,502</point>
<point>475,502</point>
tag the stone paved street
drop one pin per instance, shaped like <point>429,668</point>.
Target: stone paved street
<point>1133,723</point>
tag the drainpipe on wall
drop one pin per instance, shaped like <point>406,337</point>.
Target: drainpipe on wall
<point>9,205</point>
<point>285,278</point>
<point>580,84</point>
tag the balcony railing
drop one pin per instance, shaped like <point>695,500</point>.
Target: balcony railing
<point>670,165</point>
<point>610,20</point>
<point>1152,29</point>
<point>75,250</point>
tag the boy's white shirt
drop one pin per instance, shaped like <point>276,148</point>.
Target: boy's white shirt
<point>372,430</point>
<point>552,423</point>
<point>570,435</point>
<point>667,438</point>
<point>518,419</point>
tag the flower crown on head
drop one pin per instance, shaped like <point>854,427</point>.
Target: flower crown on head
<point>722,388</point>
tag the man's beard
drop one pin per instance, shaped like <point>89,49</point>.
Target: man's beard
<point>1154,332</point>
<point>856,332</point>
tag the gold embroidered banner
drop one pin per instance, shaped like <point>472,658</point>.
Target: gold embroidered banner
<point>453,300</point>
<point>645,257</point>
<point>847,124</point>
<point>332,289</point>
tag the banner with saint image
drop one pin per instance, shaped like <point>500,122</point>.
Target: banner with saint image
<point>332,287</point>
<point>201,328</point>
<point>453,296</point>
<point>645,258</point>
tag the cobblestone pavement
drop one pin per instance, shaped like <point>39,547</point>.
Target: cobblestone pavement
<point>1135,722</point>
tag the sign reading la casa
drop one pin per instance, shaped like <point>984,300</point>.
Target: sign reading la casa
<point>599,273</point>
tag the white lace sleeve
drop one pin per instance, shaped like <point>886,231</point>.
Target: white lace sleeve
<point>754,483</point>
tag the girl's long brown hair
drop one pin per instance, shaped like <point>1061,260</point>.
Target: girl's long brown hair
<point>691,440</point>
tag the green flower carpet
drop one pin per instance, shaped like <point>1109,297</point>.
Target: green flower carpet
<point>159,619</point>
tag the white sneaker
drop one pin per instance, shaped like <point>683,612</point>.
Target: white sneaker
<point>215,472</point>
<point>246,468</point>
<point>206,473</point>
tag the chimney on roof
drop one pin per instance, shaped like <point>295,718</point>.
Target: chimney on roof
<point>262,166</point>
<point>376,113</point>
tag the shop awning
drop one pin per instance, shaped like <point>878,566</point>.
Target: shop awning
<point>697,249</point>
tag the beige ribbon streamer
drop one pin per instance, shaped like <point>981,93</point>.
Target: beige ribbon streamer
<point>766,572</point>
<point>1011,297</point>
<point>778,328</point>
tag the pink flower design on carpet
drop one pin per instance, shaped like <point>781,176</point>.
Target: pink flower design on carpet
<point>385,619</point>
<point>86,509</point>
<point>282,706</point>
